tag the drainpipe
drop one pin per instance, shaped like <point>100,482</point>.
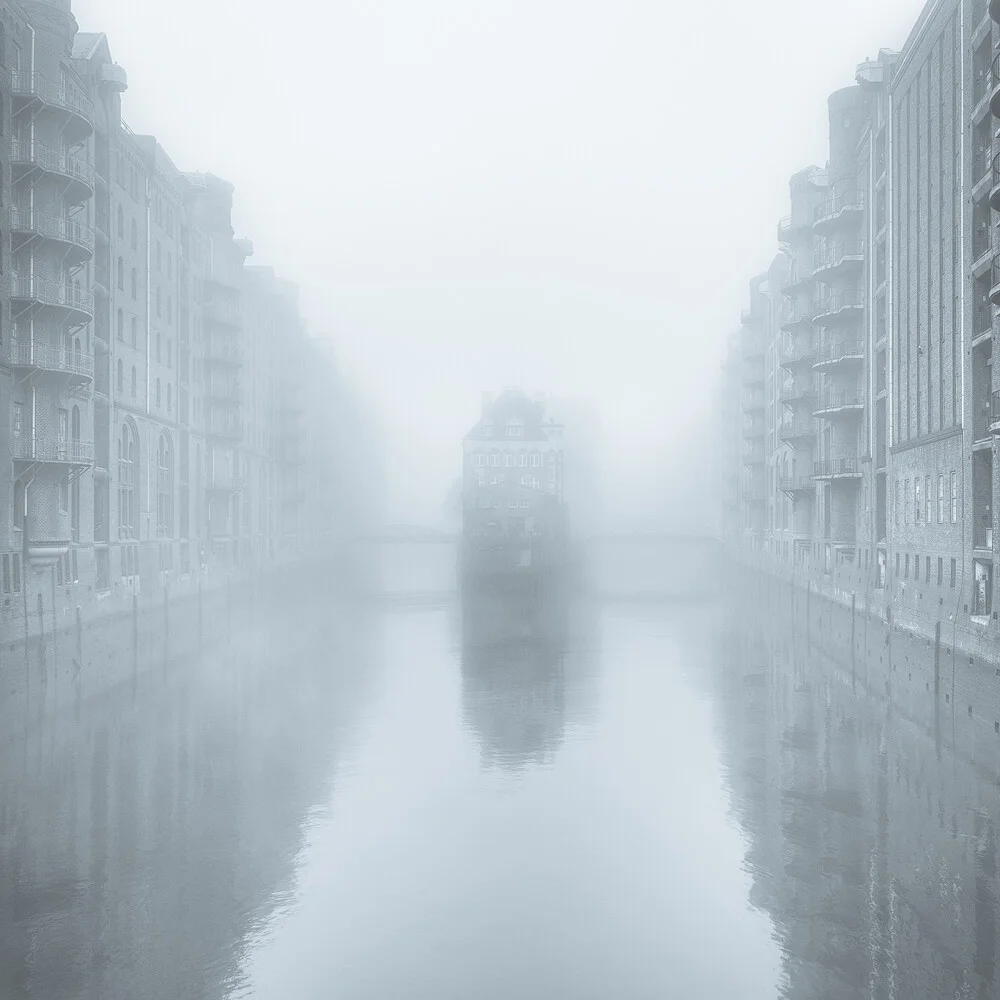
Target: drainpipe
<point>149,429</point>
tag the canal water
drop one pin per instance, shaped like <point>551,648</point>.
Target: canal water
<point>422,794</point>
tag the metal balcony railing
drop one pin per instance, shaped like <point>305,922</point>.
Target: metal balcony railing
<point>53,359</point>
<point>52,293</point>
<point>796,483</point>
<point>838,203</point>
<point>56,450</point>
<point>838,399</point>
<point>830,467</point>
<point>796,429</point>
<point>52,227</point>
<point>984,319</point>
<point>837,253</point>
<point>25,84</point>
<point>837,302</point>
<point>840,350</point>
<point>228,313</point>
<point>53,161</point>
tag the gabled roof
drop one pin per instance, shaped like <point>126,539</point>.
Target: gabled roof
<point>511,404</point>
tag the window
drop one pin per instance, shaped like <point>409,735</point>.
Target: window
<point>170,354</point>
<point>17,419</point>
<point>134,334</point>
<point>927,498</point>
<point>159,256</point>
<point>897,564</point>
<point>954,569</point>
<point>159,309</point>
<point>164,487</point>
<point>121,274</point>
<point>515,428</point>
<point>170,309</point>
<point>895,504</point>
<point>158,348</point>
<point>906,503</point>
<point>128,476</point>
<point>134,236</point>
<point>133,382</point>
<point>157,392</point>
<point>954,499</point>
<point>121,325</point>
<point>135,284</point>
<point>508,459</point>
<point>121,223</point>
<point>494,459</point>
<point>917,507</point>
<point>118,381</point>
<point>940,502</point>
<point>906,564</point>
<point>940,575</point>
<point>522,459</point>
<point>477,459</point>
<point>169,396</point>
<point>927,569</point>
<point>170,264</point>
<point>536,459</point>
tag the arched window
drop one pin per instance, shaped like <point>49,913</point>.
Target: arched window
<point>121,274</point>
<point>157,392</point>
<point>170,390</point>
<point>135,236</point>
<point>119,379</point>
<point>74,426</point>
<point>121,223</point>
<point>121,325</point>
<point>135,333</point>
<point>164,487</point>
<point>128,477</point>
<point>522,458</point>
<point>133,382</point>
<point>135,284</point>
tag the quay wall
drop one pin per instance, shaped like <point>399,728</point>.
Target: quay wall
<point>929,662</point>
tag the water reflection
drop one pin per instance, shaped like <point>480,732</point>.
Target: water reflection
<point>513,683</point>
<point>872,847</point>
<point>146,834</point>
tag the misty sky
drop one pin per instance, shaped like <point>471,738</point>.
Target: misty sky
<point>558,194</point>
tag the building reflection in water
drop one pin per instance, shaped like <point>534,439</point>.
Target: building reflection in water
<point>147,835</point>
<point>871,846</point>
<point>514,645</point>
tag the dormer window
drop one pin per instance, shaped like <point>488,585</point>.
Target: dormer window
<point>515,429</point>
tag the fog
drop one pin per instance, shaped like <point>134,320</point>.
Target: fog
<point>563,196</point>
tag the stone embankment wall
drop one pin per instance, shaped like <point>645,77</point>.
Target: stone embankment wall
<point>51,662</point>
<point>940,670</point>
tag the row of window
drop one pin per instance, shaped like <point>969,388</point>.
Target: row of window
<point>530,481</point>
<point>923,506</point>
<point>495,504</point>
<point>523,459</point>
<point>904,560</point>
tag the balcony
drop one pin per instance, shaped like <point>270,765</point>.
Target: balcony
<point>983,321</point>
<point>753,430</point>
<point>753,401</point>
<point>223,353</point>
<point>224,481</point>
<point>35,91</point>
<point>995,185</point>
<point>995,282</point>
<point>791,226</point>
<point>838,469</point>
<point>222,392</point>
<point>78,237</point>
<point>839,307</point>
<point>837,353</point>
<point>795,314</point>
<point>75,301</point>
<point>796,391</point>
<point>995,414</point>
<point>797,484</point>
<point>795,281</point>
<point>752,345</point>
<point>844,206</point>
<point>28,158</point>
<point>53,451</point>
<point>839,402</point>
<point>223,313</point>
<point>794,356</point>
<point>995,87</point>
<point>60,360</point>
<point>797,431</point>
<point>835,259</point>
<point>224,427</point>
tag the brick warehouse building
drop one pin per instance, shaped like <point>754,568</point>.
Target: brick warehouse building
<point>869,407</point>
<point>165,408</point>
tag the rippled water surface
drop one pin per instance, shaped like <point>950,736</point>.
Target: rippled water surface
<point>493,797</point>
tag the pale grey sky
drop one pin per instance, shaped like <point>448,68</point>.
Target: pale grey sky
<point>560,194</point>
